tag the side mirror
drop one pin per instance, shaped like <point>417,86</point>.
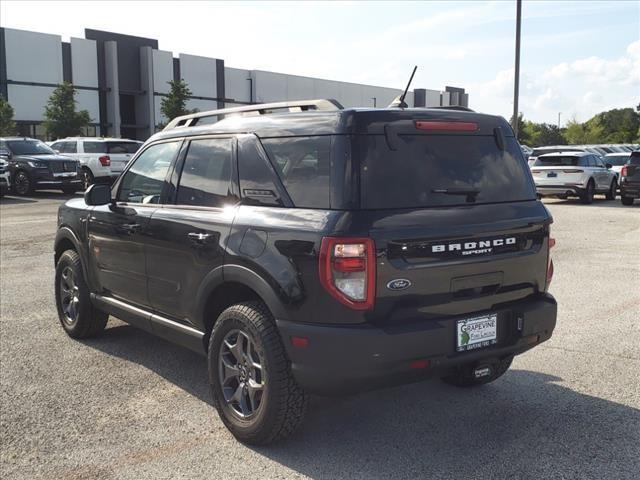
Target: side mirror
<point>608,165</point>
<point>97,194</point>
<point>4,153</point>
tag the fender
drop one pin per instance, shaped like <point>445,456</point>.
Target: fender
<point>244,276</point>
<point>65,233</point>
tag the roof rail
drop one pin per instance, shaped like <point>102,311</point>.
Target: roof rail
<point>454,107</point>
<point>254,110</point>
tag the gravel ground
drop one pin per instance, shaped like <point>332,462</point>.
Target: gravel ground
<point>131,406</point>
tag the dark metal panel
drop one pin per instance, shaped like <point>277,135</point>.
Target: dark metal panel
<point>67,74</point>
<point>3,65</point>
<point>220,82</point>
<point>176,69</point>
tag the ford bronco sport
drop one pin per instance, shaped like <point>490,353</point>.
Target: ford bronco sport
<point>306,248</point>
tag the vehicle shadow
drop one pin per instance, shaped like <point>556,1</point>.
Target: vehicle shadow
<point>525,425</point>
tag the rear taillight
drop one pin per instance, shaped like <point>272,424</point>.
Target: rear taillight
<point>552,243</point>
<point>572,170</point>
<point>443,125</point>
<point>536,171</point>
<point>623,172</point>
<point>104,160</point>
<point>348,270</point>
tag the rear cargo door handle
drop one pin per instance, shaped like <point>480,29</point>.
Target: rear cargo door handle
<point>200,238</point>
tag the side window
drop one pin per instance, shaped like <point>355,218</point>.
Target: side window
<point>303,164</point>
<point>599,162</point>
<point>57,146</point>
<point>206,176</point>
<point>93,147</point>
<point>70,147</point>
<point>143,182</point>
<point>257,182</point>
<point>592,161</point>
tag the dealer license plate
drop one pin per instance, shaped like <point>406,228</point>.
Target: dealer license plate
<point>477,332</point>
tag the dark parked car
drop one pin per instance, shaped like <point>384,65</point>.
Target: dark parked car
<point>305,248</point>
<point>630,179</point>
<point>33,165</point>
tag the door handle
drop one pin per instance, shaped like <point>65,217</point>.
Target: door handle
<point>130,228</point>
<point>199,238</point>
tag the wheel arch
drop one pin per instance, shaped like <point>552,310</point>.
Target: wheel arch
<point>228,285</point>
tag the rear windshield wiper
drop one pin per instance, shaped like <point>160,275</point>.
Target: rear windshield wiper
<point>471,193</point>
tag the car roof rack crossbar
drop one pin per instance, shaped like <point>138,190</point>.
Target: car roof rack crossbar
<point>253,110</point>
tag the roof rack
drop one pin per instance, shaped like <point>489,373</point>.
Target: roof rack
<point>454,107</point>
<point>254,110</point>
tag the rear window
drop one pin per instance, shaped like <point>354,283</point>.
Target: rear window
<point>303,164</point>
<point>617,160</point>
<point>122,147</point>
<point>441,170</point>
<point>568,161</point>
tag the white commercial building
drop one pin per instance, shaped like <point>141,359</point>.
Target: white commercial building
<point>120,81</point>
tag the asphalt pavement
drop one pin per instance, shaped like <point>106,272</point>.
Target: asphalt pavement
<point>127,405</point>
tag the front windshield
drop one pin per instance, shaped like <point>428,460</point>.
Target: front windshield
<point>29,147</point>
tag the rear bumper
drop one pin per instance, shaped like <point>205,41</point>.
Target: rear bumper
<point>349,359</point>
<point>559,190</point>
<point>630,189</point>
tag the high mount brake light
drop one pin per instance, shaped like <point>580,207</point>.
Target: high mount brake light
<point>438,125</point>
<point>347,268</point>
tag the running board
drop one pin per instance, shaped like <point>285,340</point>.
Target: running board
<point>151,322</point>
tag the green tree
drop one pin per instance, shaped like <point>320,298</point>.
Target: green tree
<point>61,118</point>
<point>174,104</point>
<point>619,125</point>
<point>7,125</point>
<point>524,134</point>
<point>575,132</point>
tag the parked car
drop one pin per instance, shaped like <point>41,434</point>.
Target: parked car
<point>630,179</point>
<point>526,150</point>
<point>33,165</point>
<point>617,161</point>
<point>552,149</point>
<point>5,179</point>
<point>575,174</point>
<point>101,159</point>
<point>303,248</point>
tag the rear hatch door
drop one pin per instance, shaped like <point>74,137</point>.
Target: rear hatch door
<point>557,170</point>
<point>120,153</point>
<point>455,220</point>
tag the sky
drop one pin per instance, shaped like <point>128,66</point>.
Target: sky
<point>577,57</point>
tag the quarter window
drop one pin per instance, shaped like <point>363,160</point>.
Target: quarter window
<point>143,182</point>
<point>206,175</point>
<point>94,147</point>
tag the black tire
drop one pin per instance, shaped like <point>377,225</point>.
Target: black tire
<point>82,320</point>
<point>562,197</point>
<point>69,190</point>
<point>282,403</point>
<point>22,184</point>
<point>587,196</point>
<point>87,177</point>
<point>464,376</point>
<point>626,200</point>
<point>611,193</point>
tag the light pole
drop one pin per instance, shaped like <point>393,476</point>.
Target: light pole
<point>559,113</point>
<point>516,83</point>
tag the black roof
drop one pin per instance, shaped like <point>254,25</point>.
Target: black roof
<point>346,121</point>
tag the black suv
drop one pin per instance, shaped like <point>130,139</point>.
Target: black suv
<point>630,179</point>
<point>305,248</point>
<point>33,165</point>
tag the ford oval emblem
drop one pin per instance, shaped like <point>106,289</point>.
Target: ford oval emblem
<point>399,284</point>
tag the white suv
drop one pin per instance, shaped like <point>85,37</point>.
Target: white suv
<point>101,159</point>
<point>578,174</point>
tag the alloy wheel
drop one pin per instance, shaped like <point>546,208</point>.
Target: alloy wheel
<point>22,183</point>
<point>69,296</point>
<point>240,374</point>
